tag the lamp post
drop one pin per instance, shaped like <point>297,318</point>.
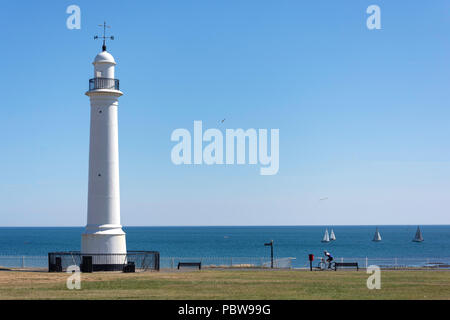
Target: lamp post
<point>271,252</point>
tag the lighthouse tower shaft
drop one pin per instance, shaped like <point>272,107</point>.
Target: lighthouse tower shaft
<point>103,234</point>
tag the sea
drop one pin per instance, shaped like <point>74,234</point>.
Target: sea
<point>244,241</point>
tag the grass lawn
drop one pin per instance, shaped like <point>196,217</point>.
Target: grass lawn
<point>227,284</point>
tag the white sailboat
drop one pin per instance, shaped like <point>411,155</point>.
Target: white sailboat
<point>377,236</point>
<point>326,237</point>
<point>418,237</point>
<point>332,235</point>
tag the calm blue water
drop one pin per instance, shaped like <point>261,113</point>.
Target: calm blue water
<point>289,241</point>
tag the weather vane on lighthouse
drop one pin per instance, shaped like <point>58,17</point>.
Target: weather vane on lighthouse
<point>104,37</point>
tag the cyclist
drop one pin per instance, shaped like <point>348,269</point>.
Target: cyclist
<point>329,258</point>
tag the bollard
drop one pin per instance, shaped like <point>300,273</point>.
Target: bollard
<point>311,259</point>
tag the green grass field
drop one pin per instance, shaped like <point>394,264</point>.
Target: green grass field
<point>227,284</point>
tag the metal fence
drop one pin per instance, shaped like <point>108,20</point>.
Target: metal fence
<point>400,263</point>
<point>389,263</point>
<point>17,261</point>
<point>228,262</point>
<point>141,261</point>
<point>23,261</point>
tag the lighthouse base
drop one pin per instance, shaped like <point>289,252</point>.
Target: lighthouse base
<point>105,247</point>
<point>105,238</point>
<point>103,244</point>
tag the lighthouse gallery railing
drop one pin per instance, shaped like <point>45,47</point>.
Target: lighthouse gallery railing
<point>103,83</point>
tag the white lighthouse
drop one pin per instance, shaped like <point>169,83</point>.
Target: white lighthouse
<point>104,238</point>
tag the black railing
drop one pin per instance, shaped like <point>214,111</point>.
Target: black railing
<point>103,83</point>
<point>141,260</point>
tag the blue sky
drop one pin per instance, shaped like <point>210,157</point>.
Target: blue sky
<point>363,114</point>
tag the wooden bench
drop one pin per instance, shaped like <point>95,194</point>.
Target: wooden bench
<point>190,264</point>
<point>346,264</point>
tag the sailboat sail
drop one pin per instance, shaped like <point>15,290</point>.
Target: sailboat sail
<point>418,237</point>
<point>326,237</point>
<point>377,236</point>
<point>332,235</point>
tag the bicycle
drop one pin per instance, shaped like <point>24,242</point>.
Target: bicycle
<point>323,265</point>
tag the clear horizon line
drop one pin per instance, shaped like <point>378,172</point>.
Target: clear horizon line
<point>206,226</point>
